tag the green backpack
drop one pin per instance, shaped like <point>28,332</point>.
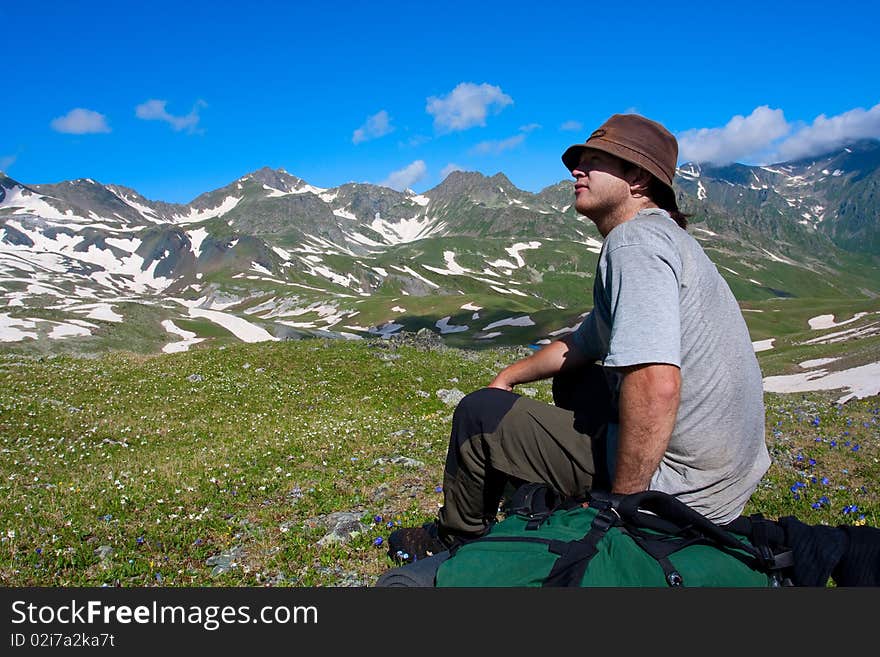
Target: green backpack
<point>647,539</point>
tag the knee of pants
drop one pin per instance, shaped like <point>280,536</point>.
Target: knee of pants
<point>480,412</point>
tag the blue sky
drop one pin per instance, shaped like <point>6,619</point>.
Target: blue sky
<point>175,99</point>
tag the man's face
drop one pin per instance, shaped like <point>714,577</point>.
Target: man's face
<point>599,188</point>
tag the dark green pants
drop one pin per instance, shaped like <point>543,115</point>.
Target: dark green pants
<point>500,438</point>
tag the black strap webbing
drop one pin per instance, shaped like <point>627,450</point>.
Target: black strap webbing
<point>570,567</point>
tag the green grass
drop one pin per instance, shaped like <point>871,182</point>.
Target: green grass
<point>170,460</point>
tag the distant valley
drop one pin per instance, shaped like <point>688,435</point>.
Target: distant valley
<point>87,267</point>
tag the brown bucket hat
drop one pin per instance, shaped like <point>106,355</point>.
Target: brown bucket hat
<point>635,139</point>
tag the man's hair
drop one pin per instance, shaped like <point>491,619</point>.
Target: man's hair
<point>660,194</point>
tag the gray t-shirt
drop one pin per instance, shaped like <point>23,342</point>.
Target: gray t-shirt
<point>659,299</point>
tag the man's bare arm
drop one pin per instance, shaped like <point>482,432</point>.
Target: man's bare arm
<point>543,364</point>
<point>649,397</point>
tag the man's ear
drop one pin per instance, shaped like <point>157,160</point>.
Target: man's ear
<point>640,180</point>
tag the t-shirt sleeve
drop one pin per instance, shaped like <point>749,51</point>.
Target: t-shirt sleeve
<point>642,289</point>
<point>588,337</point>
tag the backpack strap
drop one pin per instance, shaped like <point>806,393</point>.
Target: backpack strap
<point>673,510</point>
<point>766,551</point>
<point>535,501</point>
<point>769,538</point>
<point>570,567</point>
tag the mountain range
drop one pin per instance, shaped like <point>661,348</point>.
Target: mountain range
<point>87,266</point>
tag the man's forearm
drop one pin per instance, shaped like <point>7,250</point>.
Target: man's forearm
<point>649,397</point>
<point>543,364</point>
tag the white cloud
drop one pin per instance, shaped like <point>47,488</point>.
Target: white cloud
<point>377,125</point>
<point>406,177</point>
<point>740,138</point>
<point>574,126</point>
<point>826,134</point>
<point>7,161</point>
<point>530,127</point>
<point>81,121</point>
<point>765,136</point>
<point>449,168</point>
<point>466,106</point>
<point>499,146</point>
<point>154,110</point>
<point>416,141</point>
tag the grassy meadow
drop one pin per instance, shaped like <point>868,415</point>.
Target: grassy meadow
<point>228,465</point>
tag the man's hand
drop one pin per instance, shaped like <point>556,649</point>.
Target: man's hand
<point>543,364</point>
<point>649,396</point>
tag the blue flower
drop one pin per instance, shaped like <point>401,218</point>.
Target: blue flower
<point>378,541</point>
<point>438,489</point>
<point>815,422</point>
<point>813,480</point>
<point>812,461</point>
<point>856,447</point>
<point>833,443</point>
<point>389,524</point>
<point>377,519</point>
<point>824,481</point>
<point>140,540</point>
<point>816,505</point>
<point>39,550</point>
<point>800,457</point>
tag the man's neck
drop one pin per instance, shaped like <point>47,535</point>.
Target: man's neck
<point>622,214</point>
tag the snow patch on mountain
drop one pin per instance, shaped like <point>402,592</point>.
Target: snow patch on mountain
<point>452,268</point>
<point>842,336</point>
<point>776,258</point>
<point>407,230</point>
<point>504,290</point>
<point>189,338</point>
<point>144,210</point>
<point>26,203</point>
<point>859,382</point>
<point>827,321</point>
<point>100,311</point>
<point>445,327</point>
<point>816,362</point>
<point>195,215</point>
<point>408,270</point>
<point>240,328</point>
<point>763,345</point>
<point>523,320</point>
<point>63,330</point>
<point>11,329</point>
